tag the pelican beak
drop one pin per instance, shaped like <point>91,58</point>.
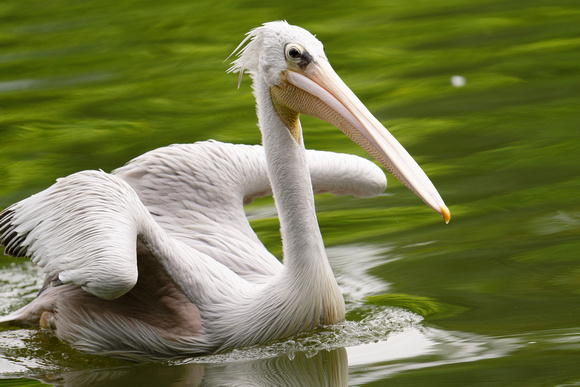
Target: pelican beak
<point>316,90</point>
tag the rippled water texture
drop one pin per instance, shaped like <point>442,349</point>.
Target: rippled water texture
<point>484,95</point>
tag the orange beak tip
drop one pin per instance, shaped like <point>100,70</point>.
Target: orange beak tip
<point>445,214</point>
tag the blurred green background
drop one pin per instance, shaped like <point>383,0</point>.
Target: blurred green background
<point>90,85</point>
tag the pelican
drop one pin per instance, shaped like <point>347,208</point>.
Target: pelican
<point>158,260</point>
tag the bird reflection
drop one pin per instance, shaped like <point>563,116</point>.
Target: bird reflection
<point>325,368</point>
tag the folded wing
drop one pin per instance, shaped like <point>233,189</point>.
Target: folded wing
<point>81,230</point>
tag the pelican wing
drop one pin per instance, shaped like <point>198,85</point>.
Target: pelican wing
<point>81,230</point>
<point>344,174</point>
<point>196,192</point>
<point>212,180</point>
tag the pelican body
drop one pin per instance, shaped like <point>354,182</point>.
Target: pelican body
<point>158,259</point>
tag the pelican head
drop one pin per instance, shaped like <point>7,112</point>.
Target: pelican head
<point>292,63</point>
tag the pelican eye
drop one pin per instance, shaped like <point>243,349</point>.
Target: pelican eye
<point>293,53</point>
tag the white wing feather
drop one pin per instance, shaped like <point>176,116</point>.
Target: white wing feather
<point>77,233</point>
<point>212,179</point>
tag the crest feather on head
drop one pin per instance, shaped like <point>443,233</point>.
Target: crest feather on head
<point>248,51</point>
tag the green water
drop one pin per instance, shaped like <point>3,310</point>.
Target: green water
<point>90,85</point>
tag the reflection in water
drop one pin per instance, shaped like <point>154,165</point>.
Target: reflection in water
<point>326,368</point>
<point>415,347</point>
<point>425,348</point>
<point>351,265</point>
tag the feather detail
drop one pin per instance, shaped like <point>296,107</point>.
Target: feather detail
<point>70,230</point>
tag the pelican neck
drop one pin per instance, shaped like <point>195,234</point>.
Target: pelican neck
<point>287,164</point>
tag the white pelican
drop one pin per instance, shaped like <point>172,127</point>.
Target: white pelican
<point>158,259</point>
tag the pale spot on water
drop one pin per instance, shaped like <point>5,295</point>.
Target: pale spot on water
<point>458,81</point>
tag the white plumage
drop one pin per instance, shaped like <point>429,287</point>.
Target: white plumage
<point>158,258</point>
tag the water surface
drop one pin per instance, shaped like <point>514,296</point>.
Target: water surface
<point>491,299</point>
